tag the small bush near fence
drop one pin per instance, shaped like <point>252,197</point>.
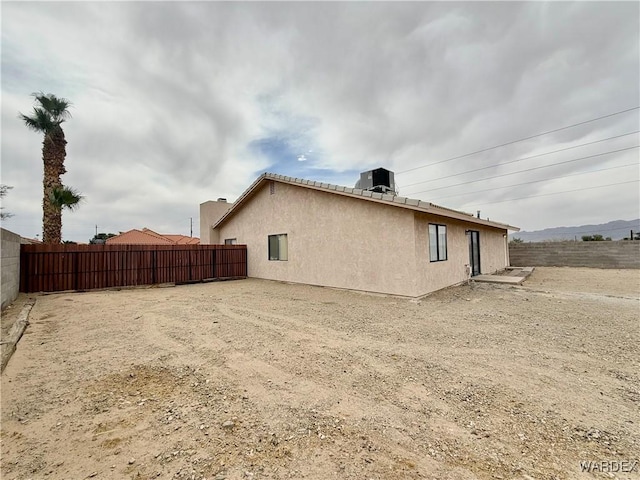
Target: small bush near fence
<point>54,268</point>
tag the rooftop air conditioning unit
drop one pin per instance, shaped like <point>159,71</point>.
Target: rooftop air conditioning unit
<point>379,180</point>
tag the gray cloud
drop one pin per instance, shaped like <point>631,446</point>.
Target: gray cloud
<point>169,96</point>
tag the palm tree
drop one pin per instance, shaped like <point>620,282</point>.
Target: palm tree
<point>48,115</point>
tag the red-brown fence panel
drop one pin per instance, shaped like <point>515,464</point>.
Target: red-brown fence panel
<point>55,268</point>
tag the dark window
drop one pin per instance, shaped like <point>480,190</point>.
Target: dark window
<point>230,241</point>
<point>437,242</point>
<point>278,247</point>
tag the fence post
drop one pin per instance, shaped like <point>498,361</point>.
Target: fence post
<point>153,267</point>
<point>24,270</point>
<point>246,261</point>
<point>75,270</point>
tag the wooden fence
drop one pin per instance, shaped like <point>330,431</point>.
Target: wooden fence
<point>55,268</point>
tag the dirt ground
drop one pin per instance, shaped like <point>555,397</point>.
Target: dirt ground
<point>255,379</point>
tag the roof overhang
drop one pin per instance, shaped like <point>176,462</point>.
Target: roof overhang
<point>385,199</point>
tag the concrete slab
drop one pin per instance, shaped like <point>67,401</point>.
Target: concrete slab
<point>498,279</point>
<point>18,328</point>
<point>512,276</point>
<point>514,273</point>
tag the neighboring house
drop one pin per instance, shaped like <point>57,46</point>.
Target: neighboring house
<point>320,234</point>
<point>149,237</point>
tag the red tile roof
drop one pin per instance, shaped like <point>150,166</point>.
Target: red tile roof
<point>149,237</point>
<point>183,239</point>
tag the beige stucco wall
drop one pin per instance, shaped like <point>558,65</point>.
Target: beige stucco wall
<point>346,242</point>
<point>494,249</point>
<point>210,213</point>
<point>333,240</point>
<point>431,276</point>
<point>10,266</point>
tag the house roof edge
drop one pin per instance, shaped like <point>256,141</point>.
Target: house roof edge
<point>397,201</point>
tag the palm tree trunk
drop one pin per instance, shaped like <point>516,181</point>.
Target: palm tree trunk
<point>53,155</point>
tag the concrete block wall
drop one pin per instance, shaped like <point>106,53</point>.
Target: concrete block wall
<point>10,266</point>
<point>618,254</point>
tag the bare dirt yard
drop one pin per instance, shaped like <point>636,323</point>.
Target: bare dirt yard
<point>255,379</point>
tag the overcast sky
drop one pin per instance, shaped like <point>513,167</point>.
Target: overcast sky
<point>176,103</point>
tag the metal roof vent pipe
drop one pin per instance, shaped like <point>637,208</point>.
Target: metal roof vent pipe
<point>478,214</point>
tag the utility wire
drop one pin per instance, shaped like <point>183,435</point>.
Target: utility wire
<point>516,141</point>
<point>635,164</point>
<point>558,193</point>
<point>524,158</point>
<point>525,170</point>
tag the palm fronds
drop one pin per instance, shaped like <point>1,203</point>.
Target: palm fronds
<point>65,197</point>
<point>57,107</point>
<point>50,113</point>
<point>40,121</point>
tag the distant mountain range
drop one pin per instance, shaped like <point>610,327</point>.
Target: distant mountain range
<point>617,230</point>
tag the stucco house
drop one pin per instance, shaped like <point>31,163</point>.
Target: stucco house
<point>362,239</point>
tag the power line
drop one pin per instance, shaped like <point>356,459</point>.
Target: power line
<point>524,158</point>
<point>525,170</point>
<point>635,164</point>
<point>519,140</point>
<point>558,193</point>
